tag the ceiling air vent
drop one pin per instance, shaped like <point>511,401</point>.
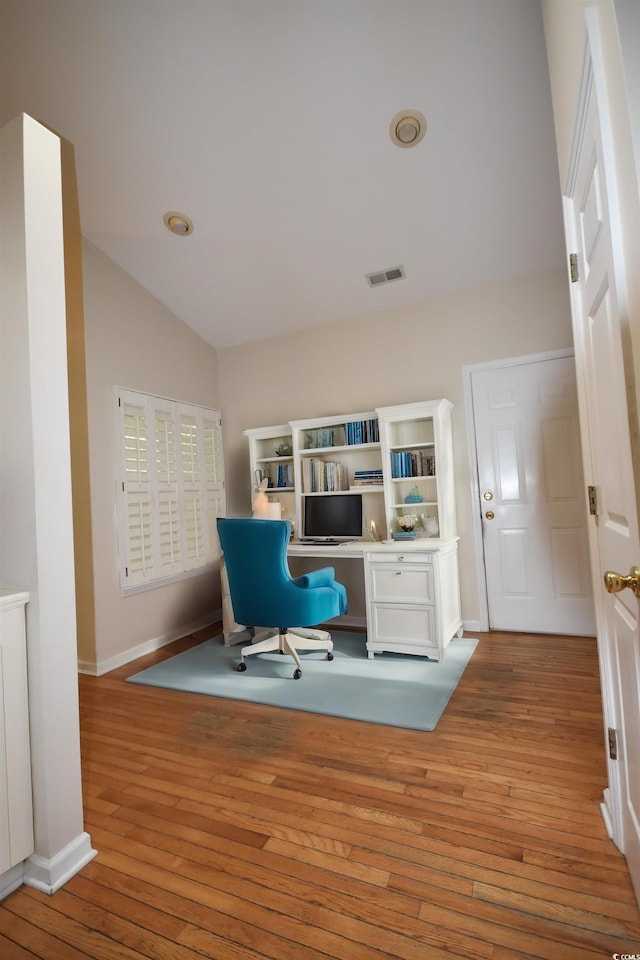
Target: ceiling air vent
<point>385,276</point>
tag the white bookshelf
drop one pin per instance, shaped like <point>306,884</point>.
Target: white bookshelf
<point>341,446</point>
<point>277,467</point>
<point>417,455</point>
<point>338,448</point>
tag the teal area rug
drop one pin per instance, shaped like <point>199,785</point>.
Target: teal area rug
<point>391,689</point>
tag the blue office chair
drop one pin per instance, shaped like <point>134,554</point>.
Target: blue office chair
<point>263,592</point>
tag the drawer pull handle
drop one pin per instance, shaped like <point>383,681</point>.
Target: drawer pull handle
<point>398,573</point>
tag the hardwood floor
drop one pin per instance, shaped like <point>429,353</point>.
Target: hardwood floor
<point>236,831</point>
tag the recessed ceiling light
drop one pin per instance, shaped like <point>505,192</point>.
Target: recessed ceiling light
<point>179,224</point>
<point>407,128</point>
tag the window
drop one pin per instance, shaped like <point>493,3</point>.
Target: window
<point>171,488</point>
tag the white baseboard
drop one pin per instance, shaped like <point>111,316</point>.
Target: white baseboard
<point>105,666</point>
<point>606,811</point>
<point>606,816</point>
<point>356,623</point>
<point>49,875</point>
<point>473,626</point>
<point>11,880</point>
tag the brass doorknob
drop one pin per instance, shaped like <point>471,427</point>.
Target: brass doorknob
<point>615,582</point>
<point>489,514</point>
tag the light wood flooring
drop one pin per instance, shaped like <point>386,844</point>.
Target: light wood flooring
<point>241,832</point>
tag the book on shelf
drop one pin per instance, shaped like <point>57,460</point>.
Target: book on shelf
<point>323,476</point>
<point>362,431</point>
<point>284,477</point>
<point>315,439</point>
<point>365,478</point>
<point>412,463</point>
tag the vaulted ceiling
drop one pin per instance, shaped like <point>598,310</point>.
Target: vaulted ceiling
<point>266,122</point>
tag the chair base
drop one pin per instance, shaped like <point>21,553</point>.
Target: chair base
<point>289,642</point>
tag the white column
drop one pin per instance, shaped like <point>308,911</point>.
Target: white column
<point>36,533</point>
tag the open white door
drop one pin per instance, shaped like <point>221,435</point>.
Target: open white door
<point>591,223</point>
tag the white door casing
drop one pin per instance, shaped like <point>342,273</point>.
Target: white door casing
<point>532,496</point>
<point>597,303</point>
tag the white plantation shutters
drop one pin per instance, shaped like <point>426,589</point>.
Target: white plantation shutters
<point>213,478</point>
<point>171,490</point>
<point>135,447</point>
<point>190,457</point>
<point>169,560</point>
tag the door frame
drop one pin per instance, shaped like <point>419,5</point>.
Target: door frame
<point>472,449</point>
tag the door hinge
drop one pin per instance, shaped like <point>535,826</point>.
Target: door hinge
<point>593,501</point>
<point>573,267</point>
<point>613,743</point>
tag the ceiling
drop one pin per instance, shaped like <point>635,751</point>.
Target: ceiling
<point>267,123</point>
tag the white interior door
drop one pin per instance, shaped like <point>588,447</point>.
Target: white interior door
<point>590,220</point>
<point>532,497</point>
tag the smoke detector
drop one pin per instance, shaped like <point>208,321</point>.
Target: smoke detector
<point>178,224</point>
<point>407,128</point>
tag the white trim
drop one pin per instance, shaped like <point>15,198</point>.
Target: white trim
<point>165,581</point>
<point>49,875</point>
<point>11,880</point>
<point>472,450</point>
<point>610,817</point>
<point>148,646</point>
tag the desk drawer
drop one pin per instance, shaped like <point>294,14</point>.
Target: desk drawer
<point>401,584</point>
<point>401,556</point>
<point>402,625</point>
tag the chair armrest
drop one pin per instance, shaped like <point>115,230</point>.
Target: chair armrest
<point>324,577</point>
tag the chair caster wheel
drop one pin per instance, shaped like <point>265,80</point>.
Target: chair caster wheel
<point>241,667</point>
<point>297,674</point>
<point>329,655</point>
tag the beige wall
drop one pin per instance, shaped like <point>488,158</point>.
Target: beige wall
<point>78,415</point>
<point>415,353</point>
<point>133,341</point>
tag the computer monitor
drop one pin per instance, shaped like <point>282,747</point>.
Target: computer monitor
<point>334,516</point>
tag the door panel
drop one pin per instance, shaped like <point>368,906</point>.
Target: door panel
<point>529,463</point>
<point>590,212</point>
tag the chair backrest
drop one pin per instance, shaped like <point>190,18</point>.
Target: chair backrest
<point>255,554</point>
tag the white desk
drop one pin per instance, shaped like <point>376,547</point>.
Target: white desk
<point>411,587</point>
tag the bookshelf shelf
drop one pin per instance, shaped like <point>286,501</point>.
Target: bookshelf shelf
<point>344,448</point>
<point>418,476</point>
<point>328,493</point>
<point>413,446</point>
